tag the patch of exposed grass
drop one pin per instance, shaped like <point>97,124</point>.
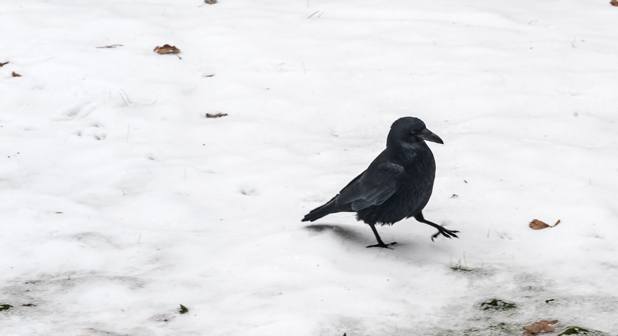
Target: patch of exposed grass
<point>577,330</point>
<point>5,306</point>
<point>497,304</point>
<point>461,268</point>
<point>183,309</point>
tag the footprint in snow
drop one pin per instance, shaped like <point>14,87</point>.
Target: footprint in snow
<point>248,191</point>
<point>77,111</point>
<point>99,332</point>
<point>94,240</point>
<point>94,130</point>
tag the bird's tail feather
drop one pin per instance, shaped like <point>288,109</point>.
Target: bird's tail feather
<point>321,211</point>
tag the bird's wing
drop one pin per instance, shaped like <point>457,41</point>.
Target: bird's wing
<point>373,187</point>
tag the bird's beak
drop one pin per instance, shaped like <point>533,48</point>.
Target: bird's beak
<point>428,135</point>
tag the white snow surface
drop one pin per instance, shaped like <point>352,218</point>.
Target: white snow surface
<point>119,200</point>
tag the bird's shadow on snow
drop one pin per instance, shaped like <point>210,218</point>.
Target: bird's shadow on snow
<point>341,232</point>
<point>345,233</point>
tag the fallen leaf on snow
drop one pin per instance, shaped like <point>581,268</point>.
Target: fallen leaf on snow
<point>15,74</point>
<point>3,63</point>
<point>166,49</point>
<point>540,327</point>
<point>536,224</point>
<point>216,115</point>
<point>614,3</point>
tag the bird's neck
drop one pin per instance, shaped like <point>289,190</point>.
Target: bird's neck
<point>406,152</point>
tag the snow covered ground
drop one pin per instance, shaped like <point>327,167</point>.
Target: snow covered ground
<point>119,200</point>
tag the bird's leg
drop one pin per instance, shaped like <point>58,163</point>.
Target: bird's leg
<point>441,229</point>
<point>380,242</point>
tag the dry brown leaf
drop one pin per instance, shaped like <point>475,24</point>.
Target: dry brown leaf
<point>166,49</point>
<point>540,327</point>
<point>216,115</point>
<point>614,3</point>
<point>15,74</point>
<point>536,224</point>
<point>3,63</point>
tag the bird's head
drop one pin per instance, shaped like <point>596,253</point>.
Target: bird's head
<point>410,130</point>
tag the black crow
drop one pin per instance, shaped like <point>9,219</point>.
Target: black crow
<point>396,185</point>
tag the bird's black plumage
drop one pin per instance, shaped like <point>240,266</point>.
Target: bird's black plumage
<point>396,185</point>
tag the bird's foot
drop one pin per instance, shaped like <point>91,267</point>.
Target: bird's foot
<point>382,245</point>
<point>445,232</point>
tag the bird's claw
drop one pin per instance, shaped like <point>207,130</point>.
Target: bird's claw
<point>382,245</point>
<point>445,232</point>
